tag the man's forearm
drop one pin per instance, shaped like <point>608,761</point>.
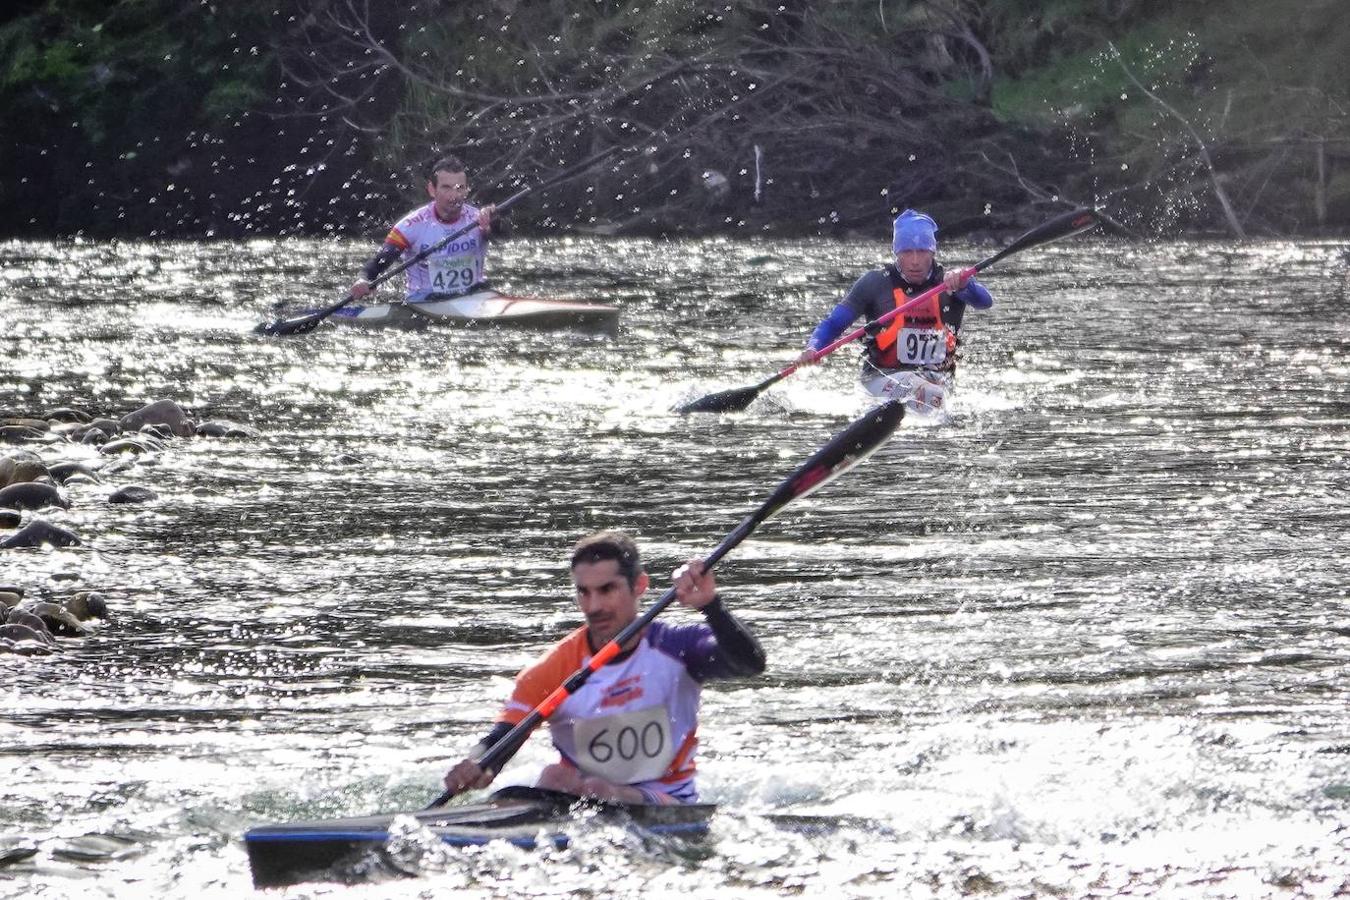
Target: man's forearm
<point>380,261</point>
<point>737,649</point>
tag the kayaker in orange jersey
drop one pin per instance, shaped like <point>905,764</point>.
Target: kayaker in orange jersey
<point>913,357</point>
<point>455,268</point>
<point>630,733</point>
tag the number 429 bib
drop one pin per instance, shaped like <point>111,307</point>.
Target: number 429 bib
<point>453,274</point>
<point>627,747</point>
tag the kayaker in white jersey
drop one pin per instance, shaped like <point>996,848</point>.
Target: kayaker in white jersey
<point>630,733</point>
<point>457,267</point>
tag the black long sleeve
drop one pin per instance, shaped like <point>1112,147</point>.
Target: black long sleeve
<point>738,651</point>
<point>380,261</point>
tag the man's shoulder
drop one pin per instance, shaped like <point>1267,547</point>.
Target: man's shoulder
<point>880,277</point>
<point>417,216</point>
<point>871,285</point>
<point>558,661</point>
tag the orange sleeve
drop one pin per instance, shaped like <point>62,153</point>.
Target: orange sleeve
<point>536,681</point>
<point>396,238</point>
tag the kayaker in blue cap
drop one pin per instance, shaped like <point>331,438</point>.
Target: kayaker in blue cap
<point>914,355</point>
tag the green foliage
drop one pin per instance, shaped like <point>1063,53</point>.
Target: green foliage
<point>158,59</point>
<point>1089,79</point>
<point>1190,52</point>
<point>856,104</point>
<point>106,100</point>
<point>229,98</point>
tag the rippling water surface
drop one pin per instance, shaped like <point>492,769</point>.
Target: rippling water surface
<point>1086,637</point>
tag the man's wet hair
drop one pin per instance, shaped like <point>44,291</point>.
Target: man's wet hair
<point>450,164</point>
<point>613,545</point>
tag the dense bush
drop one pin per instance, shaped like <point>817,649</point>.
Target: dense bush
<point>169,117</point>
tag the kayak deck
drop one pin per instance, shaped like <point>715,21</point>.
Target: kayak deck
<point>523,816</point>
<point>484,308</point>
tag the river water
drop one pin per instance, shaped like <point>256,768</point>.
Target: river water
<point>1085,637</point>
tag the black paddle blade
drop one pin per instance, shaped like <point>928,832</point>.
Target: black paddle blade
<point>1070,223</point>
<point>844,451</point>
<point>733,400</point>
<point>299,325</point>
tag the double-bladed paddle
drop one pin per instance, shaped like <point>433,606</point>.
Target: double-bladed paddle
<point>310,321</point>
<point>844,451</point>
<point>1061,226</point>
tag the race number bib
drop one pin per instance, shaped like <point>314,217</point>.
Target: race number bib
<point>921,346</point>
<point>627,747</point>
<point>452,274</point>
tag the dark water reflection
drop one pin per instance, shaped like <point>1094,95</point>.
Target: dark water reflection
<point>1088,635</point>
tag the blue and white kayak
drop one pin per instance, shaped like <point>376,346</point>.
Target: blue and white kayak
<point>523,816</point>
<point>484,308</point>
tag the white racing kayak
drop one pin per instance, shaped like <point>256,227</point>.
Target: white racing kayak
<point>484,308</point>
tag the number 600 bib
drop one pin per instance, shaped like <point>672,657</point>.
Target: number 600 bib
<point>627,747</point>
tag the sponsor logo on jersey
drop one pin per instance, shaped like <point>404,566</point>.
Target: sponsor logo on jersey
<point>621,692</point>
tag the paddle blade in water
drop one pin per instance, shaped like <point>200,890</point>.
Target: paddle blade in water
<point>733,400</point>
<point>299,325</point>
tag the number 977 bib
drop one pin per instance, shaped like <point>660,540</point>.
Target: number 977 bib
<point>921,346</point>
<point>627,747</point>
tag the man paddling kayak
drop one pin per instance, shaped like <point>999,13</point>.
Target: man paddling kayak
<point>453,269</point>
<point>630,733</point>
<point>914,356</point>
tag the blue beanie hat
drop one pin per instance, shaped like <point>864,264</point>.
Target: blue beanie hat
<point>914,231</point>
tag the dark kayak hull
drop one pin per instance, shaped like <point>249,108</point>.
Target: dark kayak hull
<point>302,851</point>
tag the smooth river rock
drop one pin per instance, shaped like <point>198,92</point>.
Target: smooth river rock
<point>20,616</point>
<point>24,465</point>
<point>161,412</point>
<point>141,443</point>
<point>38,533</point>
<point>32,495</point>
<point>23,640</point>
<point>132,493</point>
<point>224,429</point>
<point>86,605</point>
<point>66,414</point>
<point>56,617</point>
<point>66,471</point>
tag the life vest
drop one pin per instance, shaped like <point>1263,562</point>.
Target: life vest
<point>918,339</point>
